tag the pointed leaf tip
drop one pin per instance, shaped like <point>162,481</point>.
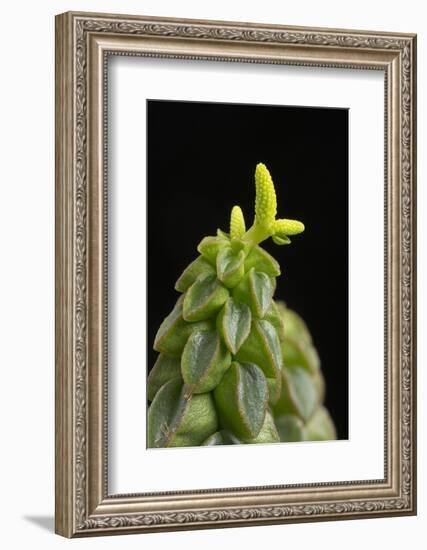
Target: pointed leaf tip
<point>281,240</point>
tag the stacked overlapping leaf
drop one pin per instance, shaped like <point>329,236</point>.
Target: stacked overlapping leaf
<point>234,366</point>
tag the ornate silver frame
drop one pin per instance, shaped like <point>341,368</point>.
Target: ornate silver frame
<point>83,505</point>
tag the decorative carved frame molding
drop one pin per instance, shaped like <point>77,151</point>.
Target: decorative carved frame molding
<point>83,43</point>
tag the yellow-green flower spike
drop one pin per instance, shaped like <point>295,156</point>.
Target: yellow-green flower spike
<point>288,227</point>
<point>265,224</point>
<point>237,223</point>
<point>265,199</point>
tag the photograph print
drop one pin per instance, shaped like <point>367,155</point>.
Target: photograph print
<point>247,274</point>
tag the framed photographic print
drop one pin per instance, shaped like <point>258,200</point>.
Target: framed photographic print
<point>235,274</point>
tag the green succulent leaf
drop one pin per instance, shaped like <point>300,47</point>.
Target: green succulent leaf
<point>319,384</point>
<point>166,340</point>
<point>274,317</point>
<point>204,298</point>
<point>262,347</point>
<point>274,389</point>
<point>256,289</point>
<point>298,353</point>
<point>200,266</point>
<point>268,432</point>
<point>281,240</point>
<point>295,327</point>
<point>320,427</point>
<point>222,437</point>
<point>222,234</point>
<point>178,419</point>
<point>234,324</point>
<point>204,361</point>
<point>230,266</point>
<point>290,428</point>
<point>174,331</point>
<point>209,247</point>
<point>241,398</point>
<point>299,395</point>
<point>262,290</point>
<point>165,368</point>
<point>262,261</point>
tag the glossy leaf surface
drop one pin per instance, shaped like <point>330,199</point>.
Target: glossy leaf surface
<point>204,298</point>
<point>176,419</point>
<point>290,428</point>
<point>268,432</point>
<point>200,266</point>
<point>241,398</point>
<point>262,347</point>
<point>165,368</point>
<point>299,395</point>
<point>234,324</point>
<point>230,267</point>
<point>256,290</point>
<point>262,261</point>
<point>204,361</point>
<point>173,333</point>
<point>320,427</point>
<point>210,246</point>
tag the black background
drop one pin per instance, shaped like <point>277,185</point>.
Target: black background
<point>201,159</point>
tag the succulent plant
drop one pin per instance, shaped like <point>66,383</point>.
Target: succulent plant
<point>234,365</point>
